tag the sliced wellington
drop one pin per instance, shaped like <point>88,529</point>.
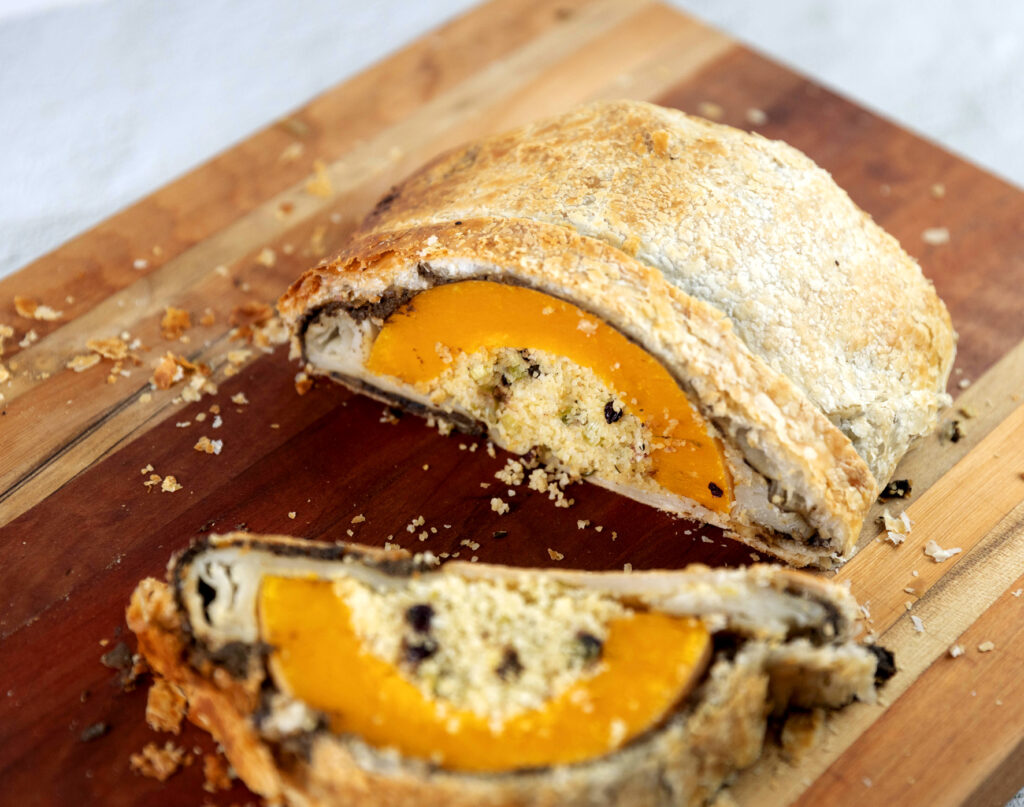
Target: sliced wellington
<point>335,674</point>
<point>692,316</point>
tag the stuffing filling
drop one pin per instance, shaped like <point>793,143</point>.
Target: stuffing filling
<point>535,400</point>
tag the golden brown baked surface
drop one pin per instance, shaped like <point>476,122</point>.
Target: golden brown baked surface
<point>797,326</point>
<point>752,226</point>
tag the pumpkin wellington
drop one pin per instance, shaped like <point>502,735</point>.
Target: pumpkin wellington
<point>648,663</point>
<point>506,353</point>
<point>337,674</point>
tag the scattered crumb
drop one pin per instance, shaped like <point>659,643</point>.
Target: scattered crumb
<point>200,417</point>
<point>208,446</point>
<point>986,647</point>
<point>582,523</point>
<point>897,489</point>
<point>952,431</point>
<point>183,424</point>
<point>239,399</point>
<point>938,190</point>
<point>146,470</point>
<point>217,422</point>
<point>114,348</point>
<point>555,555</point>
<point>216,775</point>
<point>756,117</point>
<point>157,763</point>
<point>140,264</point>
<point>165,707</point>
<point>320,184</point>
<point>956,651</point>
<point>499,506</point>
<point>938,554</point>
<point>935,236</point>
<point>627,567</point>
<point>169,484</point>
<point>292,152</point>
<point>709,109</point>
<point>303,383</point>
<point>1017,593</point>
<point>388,416</point>
<point>208,318</point>
<point>30,309</point>
<point>267,257</point>
<point>291,514</point>
<point>897,527</point>
<point>964,383</point>
<point>7,332</point>
<point>174,323</point>
<point>29,339</point>
<point>358,519</point>
<point>84,362</point>
<point>918,624</point>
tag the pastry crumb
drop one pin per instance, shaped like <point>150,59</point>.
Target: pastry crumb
<point>267,257</point>
<point>756,117</point>
<point>938,554</point>
<point>156,762</point>
<point>710,110</point>
<point>499,505</point>
<point>935,236</point>
<point>986,647</point>
<point>555,555</point>
<point>897,527</point>
<point>320,184</point>
<point>31,309</point>
<point>918,623</point>
<point>292,514</point>
<point>239,399</point>
<point>208,446</point>
<point>174,323</point>
<point>165,707</point>
<point>83,362</point>
<point>956,651</point>
<point>170,485</point>
<point>216,774</point>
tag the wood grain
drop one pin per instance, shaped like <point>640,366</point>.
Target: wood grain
<point>78,529</point>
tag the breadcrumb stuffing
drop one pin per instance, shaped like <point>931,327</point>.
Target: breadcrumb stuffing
<point>493,647</point>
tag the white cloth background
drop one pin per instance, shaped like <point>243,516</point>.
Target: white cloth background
<point>103,101</point>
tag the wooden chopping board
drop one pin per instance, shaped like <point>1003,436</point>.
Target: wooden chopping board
<point>78,528</point>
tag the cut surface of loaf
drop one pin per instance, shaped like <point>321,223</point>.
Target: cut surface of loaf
<point>339,673</point>
<point>623,249</point>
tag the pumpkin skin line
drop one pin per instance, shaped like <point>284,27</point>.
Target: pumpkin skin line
<point>472,315</point>
<point>319,659</point>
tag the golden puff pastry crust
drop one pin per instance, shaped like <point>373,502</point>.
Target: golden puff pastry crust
<point>809,339</point>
